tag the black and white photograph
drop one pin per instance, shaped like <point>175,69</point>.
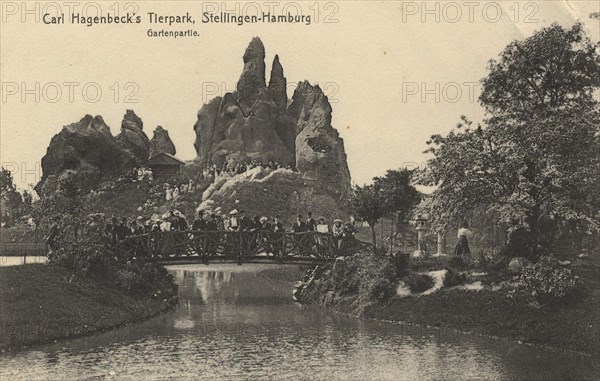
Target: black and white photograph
<point>300,190</point>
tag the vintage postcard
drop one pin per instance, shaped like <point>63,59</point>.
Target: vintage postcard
<point>300,190</point>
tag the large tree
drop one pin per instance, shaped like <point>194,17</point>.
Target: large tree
<point>10,199</point>
<point>400,195</point>
<point>368,204</point>
<point>537,153</point>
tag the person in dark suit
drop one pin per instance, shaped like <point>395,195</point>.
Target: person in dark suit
<point>277,240</point>
<point>199,223</point>
<point>311,224</point>
<point>277,225</point>
<point>299,226</point>
<point>245,222</point>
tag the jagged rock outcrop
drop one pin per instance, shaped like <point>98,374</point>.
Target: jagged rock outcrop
<point>320,153</point>
<point>255,122</point>
<point>247,124</point>
<point>251,84</point>
<point>161,142</point>
<point>86,147</point>
<point>132,137</point>
<point>278,86</point>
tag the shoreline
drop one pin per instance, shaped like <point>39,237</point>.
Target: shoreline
<point>81,309</point>
<point>415,305</point>
<point>474,333</point>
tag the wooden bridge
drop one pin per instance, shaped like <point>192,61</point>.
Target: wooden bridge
<point>178,247</point>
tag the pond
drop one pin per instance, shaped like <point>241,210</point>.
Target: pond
<point>233,323</point>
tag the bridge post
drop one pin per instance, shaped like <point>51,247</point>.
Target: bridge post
<point>283,246</point>
<point>204,248</point>
<point>241,249</point>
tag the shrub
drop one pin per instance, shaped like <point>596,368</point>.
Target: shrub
<point>457,263</point>
<point>84,249</point>
<point>549,283</point>
<point>454,278</point>
<point>132,281</point>
<point>363,279</point>
<point>377,278</point>
<point>418,283</point>
<point>428,263</point>
<point>401,262</point>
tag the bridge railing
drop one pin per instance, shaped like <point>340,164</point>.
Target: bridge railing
<point>239,245</point>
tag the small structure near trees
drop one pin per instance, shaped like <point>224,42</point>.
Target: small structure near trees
<point>164,165</point>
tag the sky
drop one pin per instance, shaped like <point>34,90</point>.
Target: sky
<point>395,72</point>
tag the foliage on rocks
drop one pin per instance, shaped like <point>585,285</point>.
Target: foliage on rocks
<point>83,248</point>
<point>359,281</point>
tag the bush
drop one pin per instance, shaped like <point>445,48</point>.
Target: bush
<point>454,278</point>
<point>457,263</point>
<point>401,263</point>
<point>360,280</point>
<point>85,250</point>
<point>418,283</point>
<point>428,263</point>
<point>549,283</point>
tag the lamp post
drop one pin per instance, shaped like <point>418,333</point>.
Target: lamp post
<point>422,222</point>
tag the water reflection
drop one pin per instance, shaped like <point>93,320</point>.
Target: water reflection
<point>233,324</point>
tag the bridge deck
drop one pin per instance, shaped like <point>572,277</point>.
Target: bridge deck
<point>244,246</point>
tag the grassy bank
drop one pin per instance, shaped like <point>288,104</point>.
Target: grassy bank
<point>489,313</point>
<point>39,304</point>
<point>369,287</point>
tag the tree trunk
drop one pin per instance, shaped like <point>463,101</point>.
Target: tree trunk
<point>534,225</point>
<point>374,237</point>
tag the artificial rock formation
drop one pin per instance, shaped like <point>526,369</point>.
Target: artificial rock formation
<point>320,153</point>
<point>132,137</point>
<point>85,146</point>
<point>161,142</point>
<point>87,150</point>
<point>256,123</point>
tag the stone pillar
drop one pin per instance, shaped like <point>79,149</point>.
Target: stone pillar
<point>441,243</point>
<point>420,235</point>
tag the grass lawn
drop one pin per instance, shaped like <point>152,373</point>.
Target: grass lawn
<point>39,304</point>
<point>574,327</point>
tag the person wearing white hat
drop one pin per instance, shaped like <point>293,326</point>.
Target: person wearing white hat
<point>264,224</point>
<point>338,231</point>
<point>234,224</point>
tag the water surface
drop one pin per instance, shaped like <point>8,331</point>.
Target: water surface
<point>233,324</point>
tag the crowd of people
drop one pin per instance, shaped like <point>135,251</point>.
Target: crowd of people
<point>172,192</point>
<point>235,168</point>
<point>117,229</point>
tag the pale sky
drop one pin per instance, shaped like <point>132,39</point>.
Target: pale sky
<point>374,64</point>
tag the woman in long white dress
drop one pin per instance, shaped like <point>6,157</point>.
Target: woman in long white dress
<point>462,245</point>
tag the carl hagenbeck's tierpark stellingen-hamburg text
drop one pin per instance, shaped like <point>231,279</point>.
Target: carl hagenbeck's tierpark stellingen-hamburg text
<point>187,18</point>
